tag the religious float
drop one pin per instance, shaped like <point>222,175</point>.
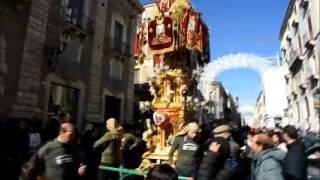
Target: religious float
<point>174,34</point>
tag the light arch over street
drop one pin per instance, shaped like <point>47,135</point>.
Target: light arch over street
<point>233,61</point>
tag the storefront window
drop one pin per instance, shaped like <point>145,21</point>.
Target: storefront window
<point>63,102</point>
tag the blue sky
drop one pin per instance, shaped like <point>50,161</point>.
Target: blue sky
<point>250,26</point>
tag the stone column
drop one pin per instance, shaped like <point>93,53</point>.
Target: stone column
<point>27,100</point>
<point>94,101</point>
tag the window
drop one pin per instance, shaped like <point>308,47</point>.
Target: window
<point>118,34</point>
<point>63,102</point>
<point>300,45</point>
<point>310,27</point>
<point>296,30</point>
<point>315,65</point>
<point>304,7</point>
<point>116,68</point>
<point>283,54</point>
<point>289,43</point>
<point>287,80</point>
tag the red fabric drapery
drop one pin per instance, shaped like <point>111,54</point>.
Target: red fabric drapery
<point>193,29</point>
<point>160,35</point>
<point>184,28</point>
<point>137,49</point>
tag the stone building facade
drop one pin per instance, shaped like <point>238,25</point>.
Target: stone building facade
<point>300,53</point>
<point>72,57</point>
<point>222,106</point>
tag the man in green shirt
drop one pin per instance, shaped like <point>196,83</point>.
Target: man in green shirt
<point>59,157</point>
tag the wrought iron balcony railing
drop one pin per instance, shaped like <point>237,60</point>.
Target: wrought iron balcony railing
<point>77,20</point>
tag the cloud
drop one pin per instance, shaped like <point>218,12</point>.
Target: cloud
<point>246,109</point>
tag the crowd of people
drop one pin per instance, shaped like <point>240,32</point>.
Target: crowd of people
<point>275,155</point>
<point>221,154</point>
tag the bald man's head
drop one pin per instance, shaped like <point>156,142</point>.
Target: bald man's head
<point>66,133</point>
<point>261,142</point>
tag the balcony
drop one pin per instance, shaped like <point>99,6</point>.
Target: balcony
<point>295,59</point>
<point>75,21</point>
<point>308,41</point>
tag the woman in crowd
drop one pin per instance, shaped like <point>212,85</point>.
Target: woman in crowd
<point>110,144</point>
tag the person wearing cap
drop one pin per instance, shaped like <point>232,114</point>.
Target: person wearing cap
<point>224,131</point>
<point>187,147</point>
<point>215,164</point>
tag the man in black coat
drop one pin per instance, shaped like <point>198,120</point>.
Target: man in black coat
<point>295,162</point>
<point>215,165</point>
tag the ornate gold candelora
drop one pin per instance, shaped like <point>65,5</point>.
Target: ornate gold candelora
<point>174,34</point>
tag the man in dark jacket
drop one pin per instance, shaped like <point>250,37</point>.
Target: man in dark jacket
<point>215,165</point>
<point>295,163</point>
<point>224,131</point>
<point>266,164</point>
